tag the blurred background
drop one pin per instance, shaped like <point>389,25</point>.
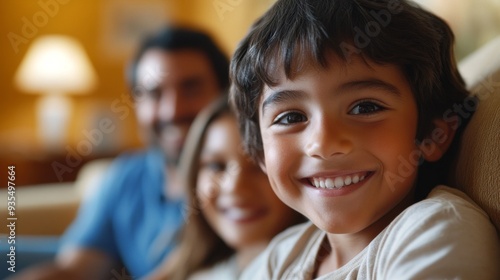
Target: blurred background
<point>51,123</point>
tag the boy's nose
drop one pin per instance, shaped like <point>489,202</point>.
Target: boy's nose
<point>327,139</point>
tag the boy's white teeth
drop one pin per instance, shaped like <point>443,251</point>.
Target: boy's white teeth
<point>337,182</point>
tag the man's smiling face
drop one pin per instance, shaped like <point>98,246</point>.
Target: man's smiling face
<point>174,87</point>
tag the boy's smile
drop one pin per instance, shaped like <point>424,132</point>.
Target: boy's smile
<point>336,184</point>
<point>334,138</point>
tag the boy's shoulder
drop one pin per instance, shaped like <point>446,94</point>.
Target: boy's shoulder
<point>293,240</point>
<point>443,202</point>
<point>445,211</point>
<point>284,250</point>
<point>430,236</point>
<point>446,233</point>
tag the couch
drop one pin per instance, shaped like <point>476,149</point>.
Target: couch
<point>43,212</point>
<point>477,170</point>
<point>46,210</point>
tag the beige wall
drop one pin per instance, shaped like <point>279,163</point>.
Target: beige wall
<point>473,22</point>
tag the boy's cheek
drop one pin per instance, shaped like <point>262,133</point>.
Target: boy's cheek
<point>274,162</point>
<point>400,170</point>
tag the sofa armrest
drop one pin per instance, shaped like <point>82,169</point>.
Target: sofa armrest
<point>48,209</point>
<point>43,209</point>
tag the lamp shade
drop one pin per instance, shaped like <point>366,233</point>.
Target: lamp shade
<point>55,64</point>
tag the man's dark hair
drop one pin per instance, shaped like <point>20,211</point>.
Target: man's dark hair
<point>295,32</point>
<point>180,38</point>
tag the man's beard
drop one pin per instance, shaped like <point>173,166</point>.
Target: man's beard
<point>171,156</point>
<point>170,139</point>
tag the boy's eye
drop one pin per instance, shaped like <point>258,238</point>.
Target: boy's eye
<point>289,118</point>
<point>365,108</point>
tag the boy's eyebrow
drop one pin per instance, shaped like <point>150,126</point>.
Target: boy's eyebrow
<point>370,84</point>
<point>280,96</point>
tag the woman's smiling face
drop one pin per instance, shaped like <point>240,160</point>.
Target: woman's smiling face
<point>234,194</point>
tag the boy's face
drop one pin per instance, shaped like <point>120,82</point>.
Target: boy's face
<point>339,142</point>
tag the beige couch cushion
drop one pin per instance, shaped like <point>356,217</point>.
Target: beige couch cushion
<point>48,209</point>
<point>478,167</point>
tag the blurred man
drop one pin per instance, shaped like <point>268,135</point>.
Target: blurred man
<point>131,219</point>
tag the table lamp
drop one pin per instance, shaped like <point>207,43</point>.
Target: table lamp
<point>55,66</point>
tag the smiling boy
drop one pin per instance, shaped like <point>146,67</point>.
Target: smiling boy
<point>349,127</point>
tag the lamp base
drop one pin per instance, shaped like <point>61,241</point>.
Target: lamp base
<point>53,113</point>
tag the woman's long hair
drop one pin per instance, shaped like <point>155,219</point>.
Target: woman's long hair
<point>199,246</point>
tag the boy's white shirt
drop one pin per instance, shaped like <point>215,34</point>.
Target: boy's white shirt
<point>445,236</point>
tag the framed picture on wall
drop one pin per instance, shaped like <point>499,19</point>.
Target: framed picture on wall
<point>126,22</point>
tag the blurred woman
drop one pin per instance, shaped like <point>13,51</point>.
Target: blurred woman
<point>232,212</point>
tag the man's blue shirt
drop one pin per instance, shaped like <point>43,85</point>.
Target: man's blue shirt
<point>128,216</point>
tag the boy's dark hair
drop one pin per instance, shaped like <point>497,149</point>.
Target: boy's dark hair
<point>395,32</point>
<point>179,38</point>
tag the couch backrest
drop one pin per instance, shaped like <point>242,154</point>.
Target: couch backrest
<point>477,170</point>
<point>90,176</point>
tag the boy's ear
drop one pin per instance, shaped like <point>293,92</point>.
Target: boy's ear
<point>438,141</point>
